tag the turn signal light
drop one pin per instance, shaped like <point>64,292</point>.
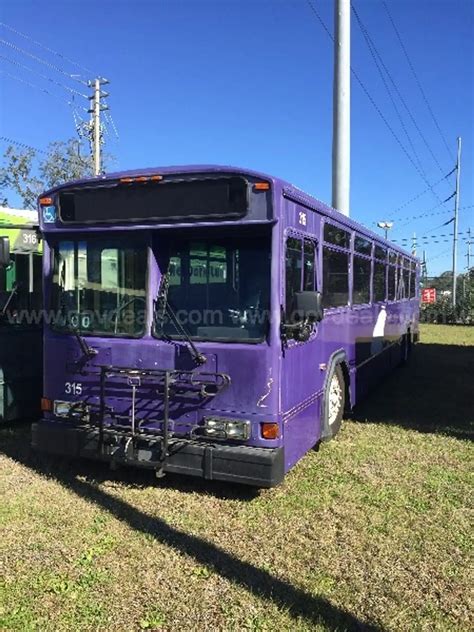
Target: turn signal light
<point>46,201</point>
<point>261,186</point>
<point>46,405</point>
<point>270,430</point>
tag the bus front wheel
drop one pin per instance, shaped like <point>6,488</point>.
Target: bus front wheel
<point>335,399</point>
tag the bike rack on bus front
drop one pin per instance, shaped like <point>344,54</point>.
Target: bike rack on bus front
<point>203,384</point>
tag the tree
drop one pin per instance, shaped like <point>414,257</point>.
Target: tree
<point>17,176</point>
<point>65,162</point>
<point>27,176</point>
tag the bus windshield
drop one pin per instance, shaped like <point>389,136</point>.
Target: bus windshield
<point>215,289</point>
<point>99,287</point>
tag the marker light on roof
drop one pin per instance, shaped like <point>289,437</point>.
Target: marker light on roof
<point>261,186</point>
<point>142,179</point>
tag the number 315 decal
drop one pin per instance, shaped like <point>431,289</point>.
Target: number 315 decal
<point>73,388</point>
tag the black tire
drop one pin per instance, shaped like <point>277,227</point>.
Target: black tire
<point>335,389</point>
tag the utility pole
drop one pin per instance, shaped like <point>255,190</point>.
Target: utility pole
<point>97,107</point>
<point>456,213</point>
<point>341,140</point>
<point>413,245</point>
<point>424,274</point>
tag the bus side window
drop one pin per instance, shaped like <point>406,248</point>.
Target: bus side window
<point>391,283</point>
<point>293,274</point>
<point>361,281</point>
<point>402,281</point>
<point>379,281</point>
<point>335,278</point>
<point>413,281</point>
<point>309,278</point>
<point>300,264</point>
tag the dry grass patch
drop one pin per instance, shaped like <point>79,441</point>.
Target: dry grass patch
<point>370,532</point>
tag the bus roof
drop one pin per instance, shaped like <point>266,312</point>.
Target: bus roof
<point>288,190</point>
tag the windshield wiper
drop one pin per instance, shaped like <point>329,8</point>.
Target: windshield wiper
<point>163,305</point>
<point>13,291</point>
<point>89,352</point>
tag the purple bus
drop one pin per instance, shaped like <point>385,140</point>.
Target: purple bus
<point>211,321</point>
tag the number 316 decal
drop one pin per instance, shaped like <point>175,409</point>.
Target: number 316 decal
<point>73,388</point>
<point>302,218</point>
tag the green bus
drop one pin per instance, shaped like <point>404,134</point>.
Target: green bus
<point>21,302</point>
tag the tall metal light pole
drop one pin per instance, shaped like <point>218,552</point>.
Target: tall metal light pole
<point>456,213</point>
<point>341,141</point>
<point>385,226</point>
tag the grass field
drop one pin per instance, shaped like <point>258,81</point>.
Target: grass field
<point>370,533</point>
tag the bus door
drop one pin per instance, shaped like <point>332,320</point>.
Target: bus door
<point>302,381</point>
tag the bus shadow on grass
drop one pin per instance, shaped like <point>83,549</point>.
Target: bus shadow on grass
<point>315,610</point>
<point>433,393</point>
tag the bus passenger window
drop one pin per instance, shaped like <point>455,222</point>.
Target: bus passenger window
<point>380,253</point>
<point>362,245</point>
<point>413,282</point>
<point>337,236</point>
<point>293,263</point>
<point>391,283</point>
<point>402,289</point>
<point>379,282</point>
<point>335,278</point>
<point>361,281</point>
<point>309,280</point>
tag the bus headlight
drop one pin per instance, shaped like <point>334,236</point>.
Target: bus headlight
<point>219,428</point>
<point>76,410</point>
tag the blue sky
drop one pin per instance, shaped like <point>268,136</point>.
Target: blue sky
<point>249,83</point>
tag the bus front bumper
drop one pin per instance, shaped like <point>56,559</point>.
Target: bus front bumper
<point>259,467</point>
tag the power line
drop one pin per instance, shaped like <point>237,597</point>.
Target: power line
<point>373,50</point>
<point>425,214</point>
<point>18,49</point>
<point>22,145</point>
<point>415,75</point>
<point>33,85</point>
<point>431,237</point>
<point>419,195</point>
<point>426,242</point>
<point>440,254</point>
<point>376,107</point>
<point>46,48</point>
<point>109,119</point>
<point>11,141</point>
<point>380,65</point>
<point>58,83</point>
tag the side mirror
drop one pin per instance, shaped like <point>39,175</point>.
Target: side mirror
<point>4,252</point>
<point>309,306</point>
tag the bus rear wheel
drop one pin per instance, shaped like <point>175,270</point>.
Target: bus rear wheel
<point>335,399</point>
